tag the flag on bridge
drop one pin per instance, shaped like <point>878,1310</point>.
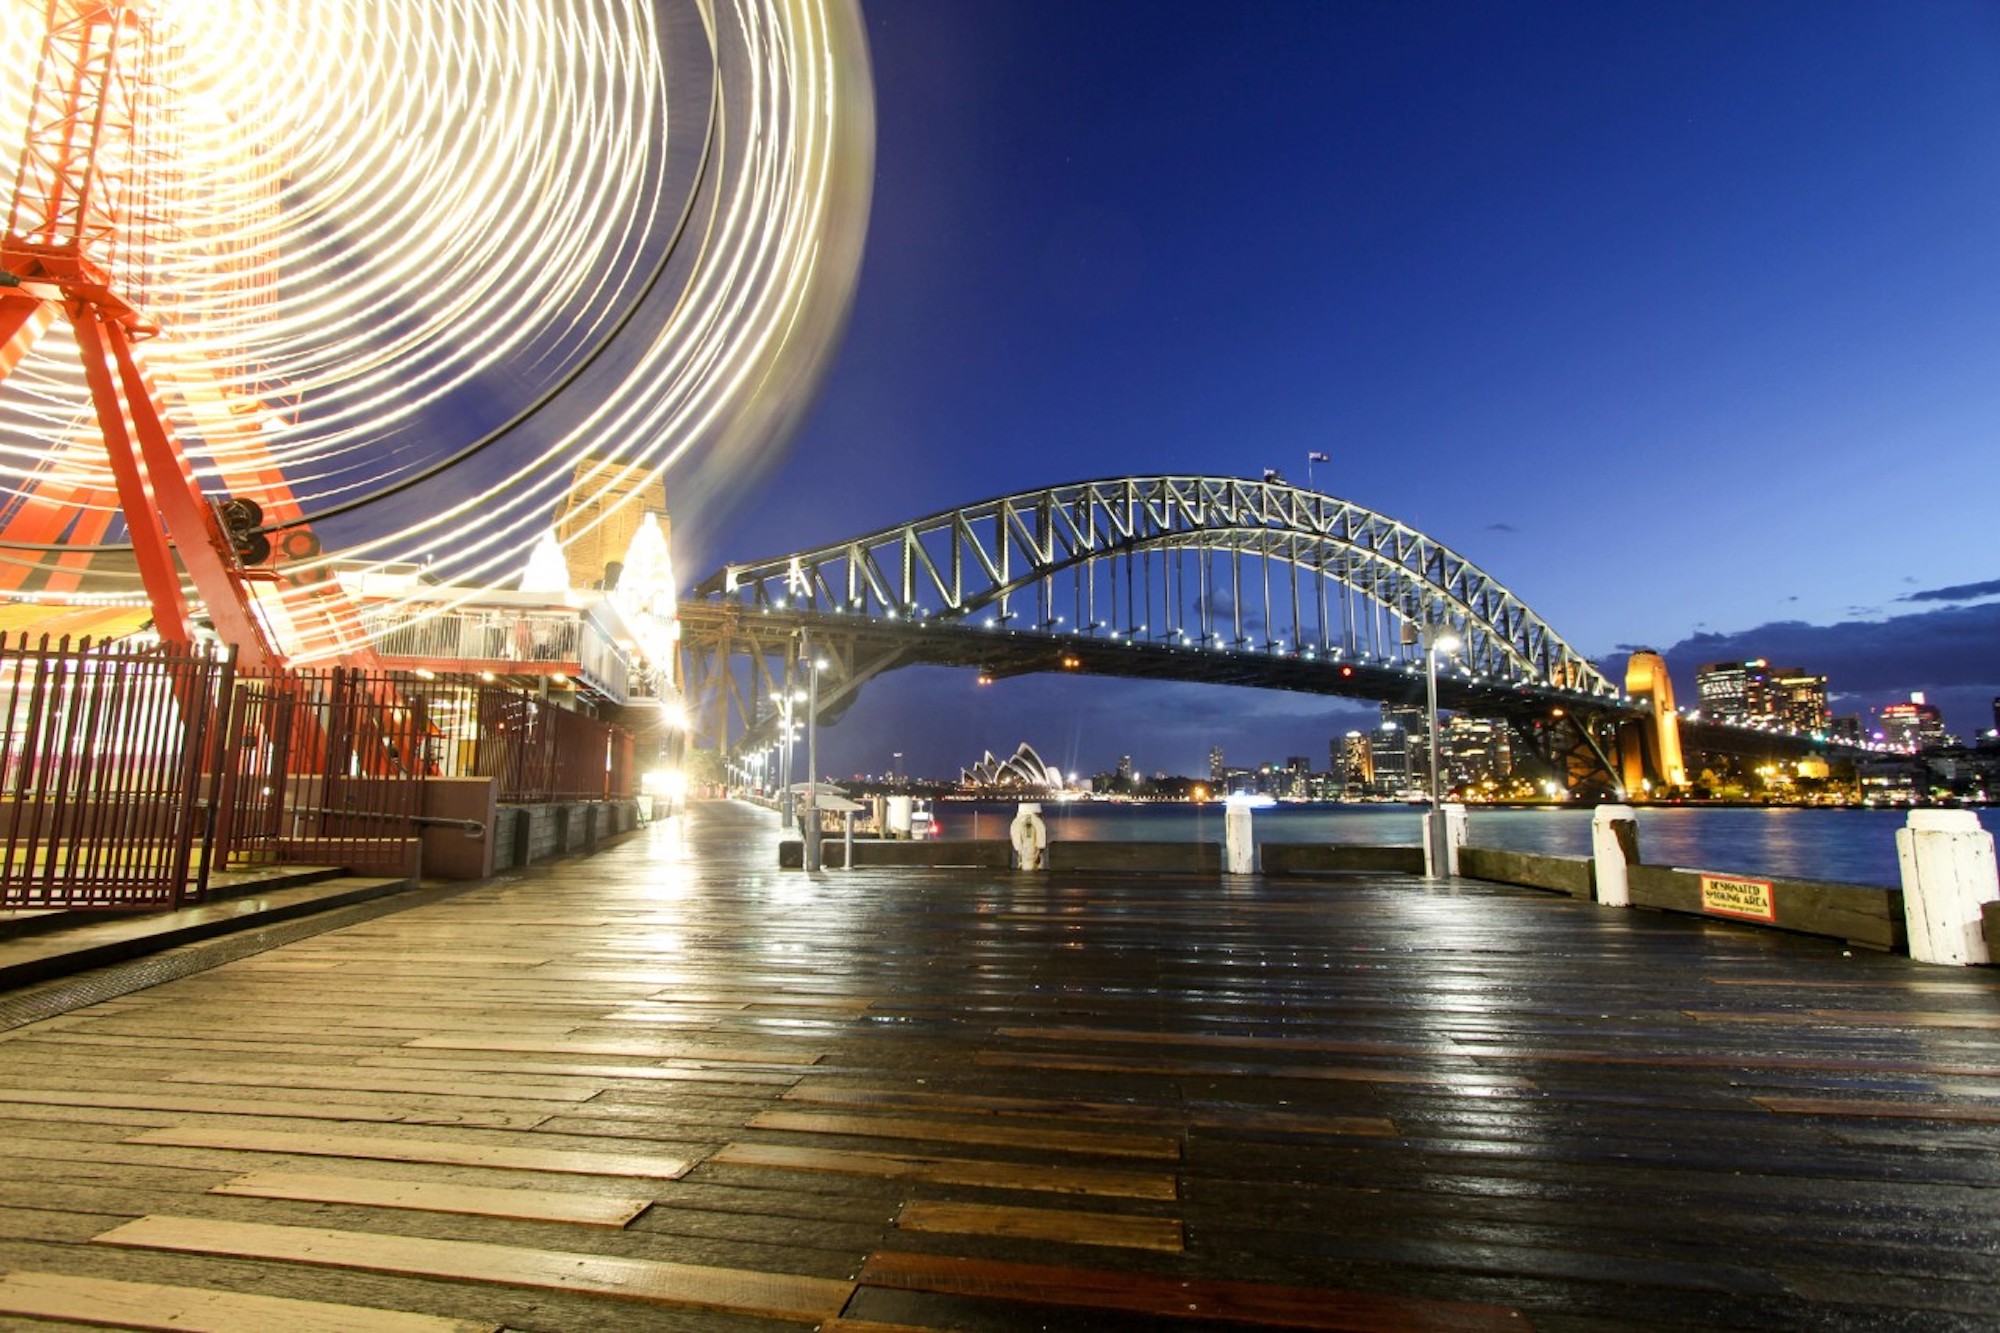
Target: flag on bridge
<point>1317,457</point>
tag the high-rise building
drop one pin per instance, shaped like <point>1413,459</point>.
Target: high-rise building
<point>1756,691</point>
<point>1216,771</point>
<point>1125,769</point>
<point>1733,691</point>
<point>1409,759</point>
<point>1356,764</point>
<point>1473,750</point>
<point>1390,746</point>
<point>1798,699</point>
<point>1916,725</point>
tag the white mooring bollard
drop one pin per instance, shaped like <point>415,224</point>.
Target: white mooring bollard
<point>1454,835</point>
<point>1239,848</point>
<point>1444,834</point>
<point>1948,871</point>
<point>1030,835</point>
<point>1614,847</point>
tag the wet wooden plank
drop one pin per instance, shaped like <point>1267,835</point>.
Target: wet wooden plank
<point>1065,1226</point>
<point>833,1094</point>
<point>442,1152</point>
<point>1179,1298</point>
<point>952,1131</point>
<point>1898,984</point>
<point>1429,1046</point>
<point>951,1170</point>
<point>644,1281</point>
<point>1965,1112</point>
<point>152,1305</point>
<point>1887,1018</point>
<point>1114,1064</point>
<point>401,1110</point>
<point>528,1205</point>
<point>647,1073</point>
<point>1179,1116</point>
<point>1528,1050</point>
<point>377,1081</point>
<point>653,1050</point>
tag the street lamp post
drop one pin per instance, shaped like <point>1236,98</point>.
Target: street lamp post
<point>1436,848</point>
<point>813,666</point>
<point>784,755</point>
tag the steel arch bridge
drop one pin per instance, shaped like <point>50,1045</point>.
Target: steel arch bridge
<point>1216,579</point>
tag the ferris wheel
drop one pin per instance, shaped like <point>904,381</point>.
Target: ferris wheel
<point>290,289</point>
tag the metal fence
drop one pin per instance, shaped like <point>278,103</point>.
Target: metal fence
<point>326,767</point>
<point>127,776</point>
<point>106,773</point>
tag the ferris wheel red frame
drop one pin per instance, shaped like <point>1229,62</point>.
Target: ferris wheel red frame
<point>80,186</point>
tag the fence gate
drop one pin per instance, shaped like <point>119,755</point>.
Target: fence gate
<point>105,788</point>
<point>324,766</point>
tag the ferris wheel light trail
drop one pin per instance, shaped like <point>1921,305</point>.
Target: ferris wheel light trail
<point>425,259</point>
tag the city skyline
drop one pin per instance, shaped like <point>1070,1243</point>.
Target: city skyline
<point>1678,321</point>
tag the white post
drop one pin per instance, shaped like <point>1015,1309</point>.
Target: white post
<point>1454,835</point>
<point>813,827</point>
<point>1239,847</point>
<point>847,840</point>
<point>1614,845</point>
<point>1030,835</point>
<point>1948,871</point>
<point>899,817</point>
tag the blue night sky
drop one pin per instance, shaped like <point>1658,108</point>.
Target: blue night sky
<point>1682,320</point>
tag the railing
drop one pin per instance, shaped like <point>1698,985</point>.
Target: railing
<point>106,774</point>
<point>325,766</point>
<point>537,751</point>
<point>127,775</point>
<point>485,639</point>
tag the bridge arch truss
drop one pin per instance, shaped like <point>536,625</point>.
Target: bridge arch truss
<point>1191,565</point>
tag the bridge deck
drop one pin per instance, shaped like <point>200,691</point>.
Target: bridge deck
<point>671,1087</point>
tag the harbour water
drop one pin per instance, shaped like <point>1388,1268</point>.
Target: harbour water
<point>1842,846</point>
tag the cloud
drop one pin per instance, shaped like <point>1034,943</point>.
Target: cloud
<point>1952,654</point>
<point>1501,527</point>
<point>1958,592</point>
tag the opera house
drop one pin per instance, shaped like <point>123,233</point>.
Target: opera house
<point>1022,771</point>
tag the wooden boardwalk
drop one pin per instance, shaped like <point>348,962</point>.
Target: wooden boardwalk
<point>672,1087</point>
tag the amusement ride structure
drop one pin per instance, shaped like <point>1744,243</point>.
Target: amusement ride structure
<point>270,320</point>
<point>317,322</point>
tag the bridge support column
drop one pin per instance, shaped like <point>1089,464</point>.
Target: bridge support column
<point>1614,847</point>
<point>1238,846</point>
<point>1948,871</point>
